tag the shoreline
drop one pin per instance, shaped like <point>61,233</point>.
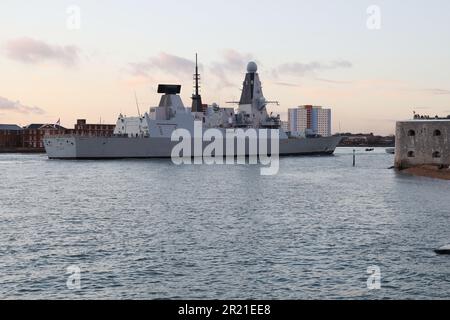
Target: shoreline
<point>428,171</point>
<point>22,150</point>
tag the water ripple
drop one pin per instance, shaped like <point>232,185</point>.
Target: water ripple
<point>152,230</point>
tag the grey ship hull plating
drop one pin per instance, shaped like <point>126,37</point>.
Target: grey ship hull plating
<point>91,148</point>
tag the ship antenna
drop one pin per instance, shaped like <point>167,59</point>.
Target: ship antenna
<point>137,104</point>
<point>197,76</point>
<point>196,97</point>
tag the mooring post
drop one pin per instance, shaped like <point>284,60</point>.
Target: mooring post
<point>354,157</point>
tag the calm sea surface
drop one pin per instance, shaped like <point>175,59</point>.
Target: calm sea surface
<point>150,229</point>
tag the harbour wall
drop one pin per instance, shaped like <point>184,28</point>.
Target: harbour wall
<point>422,142</point>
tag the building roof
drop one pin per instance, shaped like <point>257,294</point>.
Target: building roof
<point>52,126</point>
<point>427,120</point>
<point>34,126</point>
<point>11,127</point>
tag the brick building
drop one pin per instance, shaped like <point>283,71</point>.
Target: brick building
<point>85,129</point>
<point>33,134</point>
<point>10,136</point>
<point>30,138</point>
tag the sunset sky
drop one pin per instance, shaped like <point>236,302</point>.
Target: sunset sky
<point>328,53</point>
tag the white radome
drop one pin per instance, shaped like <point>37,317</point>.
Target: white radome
<point>252,67</point>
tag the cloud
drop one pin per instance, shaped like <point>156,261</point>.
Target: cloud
<point>229,65</point>
<point>227,71</point>
<point>31,51</point>
<point>163,62</point>
<point>287,84</point>
<point>18,107</point>
<point>332,81</point>
<point>235,60</point>
<point>437,91</point>
<point>301,69</point>
<point>232,62</point>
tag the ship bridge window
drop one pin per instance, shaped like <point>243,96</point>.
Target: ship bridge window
<point>437,133</point>
<point>411,133</point>
<point>411,154</point>
<point>436,154</point>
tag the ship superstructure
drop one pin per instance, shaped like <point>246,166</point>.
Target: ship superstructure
<point>149,135</point>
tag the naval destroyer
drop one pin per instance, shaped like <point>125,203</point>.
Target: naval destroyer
<point>149,135</point>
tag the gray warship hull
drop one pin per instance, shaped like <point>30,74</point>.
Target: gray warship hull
<point>93,148</point>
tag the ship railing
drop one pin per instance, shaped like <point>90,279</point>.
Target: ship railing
<point>70,135</point>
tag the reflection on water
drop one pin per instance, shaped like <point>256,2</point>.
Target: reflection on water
<point>149,229</point>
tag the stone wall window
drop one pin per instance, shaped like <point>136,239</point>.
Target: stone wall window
<point>411,133</point>
<point>411,154</point>
<point>437,133</point>
<point>436,154</point>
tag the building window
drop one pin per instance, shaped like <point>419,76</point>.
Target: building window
<point>436,154</point>
<point>437,133</point>
<point>411,154</point>
<point>411,133</point>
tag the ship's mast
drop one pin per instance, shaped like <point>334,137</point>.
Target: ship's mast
<point>197,76</point>
<point>196,97</point>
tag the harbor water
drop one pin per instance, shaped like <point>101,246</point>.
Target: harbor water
<point>148,229</point>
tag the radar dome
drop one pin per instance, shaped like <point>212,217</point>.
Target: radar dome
<point>252,67</point>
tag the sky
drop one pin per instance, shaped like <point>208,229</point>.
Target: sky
<point>371,62</point>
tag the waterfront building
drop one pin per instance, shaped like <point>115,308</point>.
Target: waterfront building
<point>33,134</point>
<point>96,130</point>
<point>30,138</point>
<point>422,142</point>
<point>10,136</point>
<point>310,120</point>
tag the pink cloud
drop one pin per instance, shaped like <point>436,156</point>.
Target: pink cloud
<point>31,51</point>
<point>165,62</point>
<point>18,107</point>
<point>301,69</point>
